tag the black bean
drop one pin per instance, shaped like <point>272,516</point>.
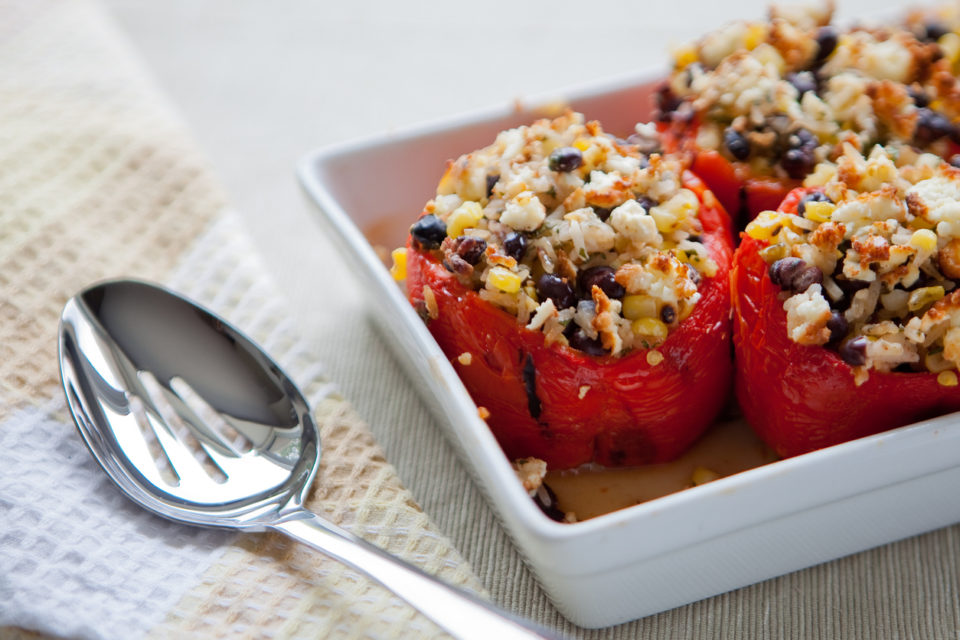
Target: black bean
<point>565,159</point>
<point>456,264</point>
<point>515,245</point>
<point>666,102</point>
<point>736,143</point>
<point>826,43</point>
<point>546,499</point>
<point>806,278</point>
<point>783,271</point>
<point>919,96</point>
<point>428,232</point>
<point>471,249</point>
<point>492,181</point>
<point>933,31</point>
<point>799,158</point>
<point>604,278</point>
<point>802,81</point>
<point>931,126</point>
<point>813,196</point>
<point>647,203</point>
<point>668,314</point>
<point>955,160</point>
<point>838,326</point>
<point>603,213</point>
<point>854,352</point>
<point>798,163</point>
<point>802,139</point>
<point>580,341</point>
<point>552,286</point>
<point>850,287</point>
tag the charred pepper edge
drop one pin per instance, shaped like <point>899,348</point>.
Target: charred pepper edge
<point>530,385</point>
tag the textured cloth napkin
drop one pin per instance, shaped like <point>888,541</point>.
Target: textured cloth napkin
<point>98,179</point>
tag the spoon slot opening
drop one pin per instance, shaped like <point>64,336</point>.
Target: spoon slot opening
<point>179,428</point>
<point>158,455</point>
<point>211,417</point>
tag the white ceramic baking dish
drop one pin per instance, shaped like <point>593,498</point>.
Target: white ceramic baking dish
<point>673,550</point>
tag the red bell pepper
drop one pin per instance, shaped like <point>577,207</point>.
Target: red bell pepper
<point>570,408</point>
<point>801,398</point>
<point>741,193</point>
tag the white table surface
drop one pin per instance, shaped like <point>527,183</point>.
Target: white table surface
<point>261,83</point>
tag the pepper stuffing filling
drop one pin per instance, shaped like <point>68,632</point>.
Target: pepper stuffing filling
<point>586,237</point>
<point>781,96</point>
<point>868,266</point>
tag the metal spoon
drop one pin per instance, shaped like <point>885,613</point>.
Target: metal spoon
<point>194,422</point>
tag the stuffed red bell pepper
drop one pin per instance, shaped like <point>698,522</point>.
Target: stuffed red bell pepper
<point>580,289</point>
<point>756,105</point>
<point>846,310</point>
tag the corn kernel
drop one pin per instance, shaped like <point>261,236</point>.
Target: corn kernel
<point>702,475</point>
<point>924,240</point>
<point>654,357</point>
<point>582,143</point>
<point>651,329</point>
<point>774,252</point>
<point>504,280</point>
<point>950,45</point>
<point>638,306</point>
<point>920,298</point>
<point>665,220</point>
<point>765,225</point>
<point>936,362</point>
<point>465,358</point>
<point>756,33</point>
<point>463,217</point>
<point>702,264</point>
<point>399,268</point>
<point>818,211</point>
<point>947,378</point>
<point>684,56</point>
<point>707,268</point>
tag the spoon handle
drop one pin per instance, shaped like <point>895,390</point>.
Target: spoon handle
<point>459,613</point>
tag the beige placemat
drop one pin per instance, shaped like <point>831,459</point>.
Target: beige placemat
<point>99,179</point>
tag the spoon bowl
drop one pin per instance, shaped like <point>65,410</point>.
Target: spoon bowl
<point>194,422</point>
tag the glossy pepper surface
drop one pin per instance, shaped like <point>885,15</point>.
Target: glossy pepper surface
<point>802,398</point>
<point>570,408</point>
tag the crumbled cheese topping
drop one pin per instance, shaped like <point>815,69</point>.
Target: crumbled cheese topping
<point>783,95</point>
<point>530,472</point>
<point>871,273</point>
<point>583,236</point>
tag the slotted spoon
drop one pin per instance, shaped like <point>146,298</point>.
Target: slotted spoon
<point>194,422</point>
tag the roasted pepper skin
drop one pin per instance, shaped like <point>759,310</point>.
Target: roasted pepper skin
<point>802,398</point>
<point>631,412</point>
